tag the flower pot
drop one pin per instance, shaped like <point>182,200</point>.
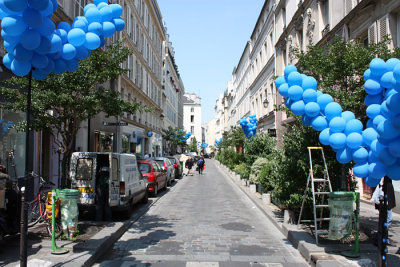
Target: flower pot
<point>253,188</point>
<point>266,198</point>
<point>244,182</point>
<point>289,217</point>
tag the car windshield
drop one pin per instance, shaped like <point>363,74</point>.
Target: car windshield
<point>144,168</point>
<point>161,162</point>
<point>172,160</point>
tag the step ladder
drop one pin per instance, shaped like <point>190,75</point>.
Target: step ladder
<point>320,187</point>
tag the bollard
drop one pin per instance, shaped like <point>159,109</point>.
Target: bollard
<point>24,232</point>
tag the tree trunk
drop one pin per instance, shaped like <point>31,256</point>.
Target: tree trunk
<point>65,182</point>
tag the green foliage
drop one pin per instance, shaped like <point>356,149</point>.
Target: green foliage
<point>192,147</point>
<point>243,170</point>
<point>172,137</point>
<point>256,169</point>
<point>260,145</point>
<point>230,158</point>
<point>61,102</point>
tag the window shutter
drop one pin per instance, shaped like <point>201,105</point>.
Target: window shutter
<point>383,27</point>
<point>372,35</point>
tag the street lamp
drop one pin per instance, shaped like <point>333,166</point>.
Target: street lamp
<point>265,103</point>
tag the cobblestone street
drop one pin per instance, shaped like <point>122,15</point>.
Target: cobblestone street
<point>204,220</point>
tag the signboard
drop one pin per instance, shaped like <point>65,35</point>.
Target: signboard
<point>272,132</point>
<point>115,123</point>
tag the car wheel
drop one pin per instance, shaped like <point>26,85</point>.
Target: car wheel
<point>155,193</point>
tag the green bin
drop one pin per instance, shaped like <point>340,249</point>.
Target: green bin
<point>341,214</point>
<point>69,210</point>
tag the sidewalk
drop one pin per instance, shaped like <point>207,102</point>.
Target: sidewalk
<point>325,255</point>
<point>83,253</point>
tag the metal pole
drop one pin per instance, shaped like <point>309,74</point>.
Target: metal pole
<point>382,227</point>
<point>23,229</point>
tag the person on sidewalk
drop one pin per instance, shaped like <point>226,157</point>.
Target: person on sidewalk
<point>189,165</point>
<point>103,210</point>
<point>200,164</point>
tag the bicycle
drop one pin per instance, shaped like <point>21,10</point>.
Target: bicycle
<point>37,208</point>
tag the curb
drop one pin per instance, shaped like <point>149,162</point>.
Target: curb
<point>300,240</point>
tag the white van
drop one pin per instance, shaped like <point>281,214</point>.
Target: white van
<point>126,183</point>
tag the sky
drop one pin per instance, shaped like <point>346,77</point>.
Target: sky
<point>208,37</point>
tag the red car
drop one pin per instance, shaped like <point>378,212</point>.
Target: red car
<point>155,174</point>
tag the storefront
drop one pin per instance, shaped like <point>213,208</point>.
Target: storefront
<point>132,139</point>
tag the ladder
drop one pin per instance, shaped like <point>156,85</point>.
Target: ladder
<point>320,184</point>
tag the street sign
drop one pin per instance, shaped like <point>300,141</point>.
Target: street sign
<point>115,123</point>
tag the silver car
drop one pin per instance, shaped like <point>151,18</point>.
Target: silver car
<point>166,164</point>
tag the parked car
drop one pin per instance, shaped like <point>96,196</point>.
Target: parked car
<point>126,184</point>
<point>155,174</point>
<point>168,166</point>
<point>177,166</point>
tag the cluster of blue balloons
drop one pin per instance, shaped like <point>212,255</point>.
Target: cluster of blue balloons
<point>5,127</point>
<point>249,126</point>
<point>376,149</point>
<point>217,142</point>
<point>185,137</point>
<point>34,43</point>
<point>204,145</point>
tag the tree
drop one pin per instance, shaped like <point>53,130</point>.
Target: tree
<point>192,147</point>
<point>61,102</point>
<point>173,137</point>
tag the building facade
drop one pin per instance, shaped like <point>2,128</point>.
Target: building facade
<point>192,116</point>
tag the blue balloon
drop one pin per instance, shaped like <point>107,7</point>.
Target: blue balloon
<point>298,108</point>
<point>9,47</point>
<point>7,60</point>
<point>324,136</point>
<point>82,52</point>
<point>68,52</point>
<point>108,29</point>
<point>391,63</point>
<point>310,95</point>
<point>120,24</point>
<point>49,68</point>
<point>354,140</point>
<point>295,92</point>
<point>39,61</point>
<point>369,135</point>
<point>56,43</point>
<point>309,83</point>
<point>20,68</point>
<point>377,66</point>
<point>21,54</point>
<point>30,39</point>
<point>337,125</point>
<point>376,170</point>
<point>337,140</point>
<point>96,28</point>
<point>284,90</point>
<point>373,99</point>
<point>387,80</point>
<point>15,5</point>
<point>80,24</point>
<point>367,74</point>
<point>361,169</point>
<point>32,18</point>
<point>393,103</point>
<point>323,100</point>
<point>389,93</point>
<point>386,130</point>
<point>72,65</point>
<point>13,25</point>
<point>306,120</point>
<point>394,148</point>
<point>44,46</point>
<point>10,39</point>
<point>59,66</point>
<point>360,155</point>
<point>385,111</point>
<point>93,15</point>
<point>47,27</point>
<point>319,123</point>
<point>353,126</point>
<point>344,155</point>
<point>279,81</point>
<point>393,172</point>
<point>38,75</point>
<point>295,78</point>
<point>88,6</point>
<point>312,109</point>
<point>287,71</point>
<point>373,87</point>
<point>48,12</point>
<point>39,4</point>
<point>333,110</point>
<point>386,157</point>
<point>396,73</point>
<point>373,110</point>
<point>92,41</point>
<point>116,10</point>
<point>64,26</point>
<point>63,35</point>
<point>371,182</point>
<point>378,119</point>
<point>348,115</point>
<point>106,13</point>
<point>396,122</point>
<point>76,37</point>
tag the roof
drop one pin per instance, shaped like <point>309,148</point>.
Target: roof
<point>187,100</point>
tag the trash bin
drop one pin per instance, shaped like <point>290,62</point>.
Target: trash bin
<point>69,210</point>
<point>341,214</point>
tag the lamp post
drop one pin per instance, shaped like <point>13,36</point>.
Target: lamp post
<point>265,103</point>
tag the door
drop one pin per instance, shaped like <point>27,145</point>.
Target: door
<point>114,180</point>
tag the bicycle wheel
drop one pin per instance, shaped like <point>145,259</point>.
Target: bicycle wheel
<point>36,210</point>
<point>57,228</point>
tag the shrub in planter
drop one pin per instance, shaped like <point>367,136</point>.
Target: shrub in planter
<point>256,169</point>
<point>243,170</point>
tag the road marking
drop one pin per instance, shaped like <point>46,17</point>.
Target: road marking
<point>201,264</point>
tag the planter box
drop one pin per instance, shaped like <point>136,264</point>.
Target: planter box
<point>266,198</point>
<point>253,188</point>
<point>244,182</point>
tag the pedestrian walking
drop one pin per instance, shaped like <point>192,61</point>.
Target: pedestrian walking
<point>200,165</point>
<point>103,210</point>
<point>189,165</point>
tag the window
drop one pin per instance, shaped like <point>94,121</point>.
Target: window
<point>192,129</point>
<point>84,169</point>
<point>192,118</point>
